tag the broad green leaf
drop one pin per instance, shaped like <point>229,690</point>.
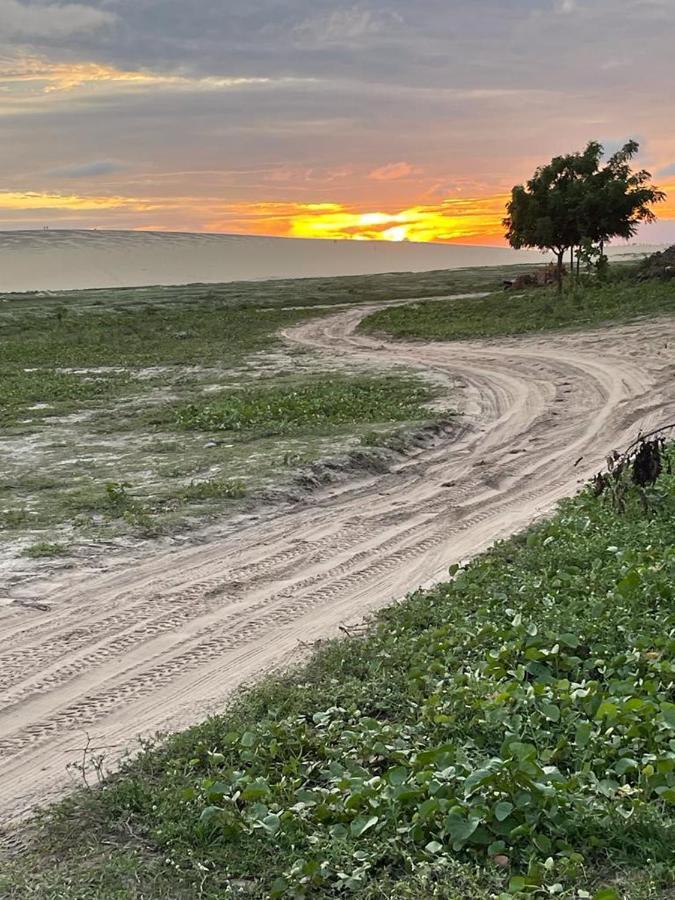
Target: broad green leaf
<point>583,733</point>
<point>629,583</point>
<point>607,710</point>
<point>271,823</point>
<point>551,711</point>
<point>503,810</point>
<point>625,765</point>
<point>397,776</point>
<point>668,712</point>
<point>255,791</point>
<point>459,827</point>
<point>278,888</point>
<point>569,640</point>
<point>362,824</point>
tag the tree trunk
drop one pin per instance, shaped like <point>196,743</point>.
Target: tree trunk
<point>571,261</point>
<point>561,254</point>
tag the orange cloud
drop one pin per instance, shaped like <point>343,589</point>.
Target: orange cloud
<point>464,220</point>
<point>18,200</point>
<point>392,172</point>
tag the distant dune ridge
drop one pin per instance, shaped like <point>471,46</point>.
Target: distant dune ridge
<point>54,260</point>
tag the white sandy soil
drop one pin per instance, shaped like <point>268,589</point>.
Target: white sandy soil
<point>133,646</point>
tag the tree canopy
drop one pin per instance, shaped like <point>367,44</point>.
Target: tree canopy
<point>575,201</point>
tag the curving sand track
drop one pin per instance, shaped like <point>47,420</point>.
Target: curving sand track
<point>161,642</point>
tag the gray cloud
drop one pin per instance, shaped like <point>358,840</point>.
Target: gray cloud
<point>348,27</point>
<point>54,20</point>
<point>473,92</point>
<point>88,170</point>
<point>434,44</point>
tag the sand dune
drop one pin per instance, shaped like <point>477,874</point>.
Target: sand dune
<point>61,260</point>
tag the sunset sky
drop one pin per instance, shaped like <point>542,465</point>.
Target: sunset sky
<point>313,118</point>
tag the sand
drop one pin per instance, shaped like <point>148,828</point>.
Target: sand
<point>138,645</point>
<point>64,260</point>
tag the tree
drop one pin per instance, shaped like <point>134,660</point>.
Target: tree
<point>574,202</point>
<point>617,199</point>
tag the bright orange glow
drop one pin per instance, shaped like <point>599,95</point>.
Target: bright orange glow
<point>666,210</point>
<point>453,220</point>
<point>465,220</point>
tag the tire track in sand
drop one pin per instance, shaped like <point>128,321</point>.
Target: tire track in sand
<point>160,642</point>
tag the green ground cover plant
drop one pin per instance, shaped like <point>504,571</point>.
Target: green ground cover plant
<point>510,733</point>
<point>44,550</point>
<point>95,386</point>
<point>531,311</point>
<point>278,408</point>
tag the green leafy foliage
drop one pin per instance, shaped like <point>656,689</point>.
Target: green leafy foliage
<point>215,488</point>
<point>511,731</point>
<point>45,550</point>
<point>574,202</point>
<point>310,405</point>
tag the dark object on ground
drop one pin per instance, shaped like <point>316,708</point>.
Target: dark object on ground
<point>539,278</point>
<point>658,265</point>
<point>640,465</point>
<point>647,464</point>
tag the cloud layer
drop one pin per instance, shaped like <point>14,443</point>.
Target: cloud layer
<point>48,21</point>
<point>370,106</point>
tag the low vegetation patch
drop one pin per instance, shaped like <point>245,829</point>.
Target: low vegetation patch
<point>658,265</point>
<point>324,402</point>
<point>45,550</point>
<point>537,310</point>
<point>509,733</point>
<point>215,488</point>
<point>107,395</point>
<point>40,393</point>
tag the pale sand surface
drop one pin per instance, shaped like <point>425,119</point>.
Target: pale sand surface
<point>134,645</point>
<point>64,260</point>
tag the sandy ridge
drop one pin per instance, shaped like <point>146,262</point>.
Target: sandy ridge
<point>161,642</point>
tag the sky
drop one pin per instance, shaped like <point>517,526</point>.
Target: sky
<point>380,119</point>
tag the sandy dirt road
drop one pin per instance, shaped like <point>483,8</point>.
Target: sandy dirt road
<point>158,643</point>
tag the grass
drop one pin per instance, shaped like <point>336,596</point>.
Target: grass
<point>509,733</point>
<point>45,550</point>
<point>228,446</point>
<point>317,405</point>
<point>161,388</point>
<point>94,386</point>
<point>217,488</point>
<point>273,294</point>
<point>41,393</point>
<point>187,335</point>
<point>531,311</point>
